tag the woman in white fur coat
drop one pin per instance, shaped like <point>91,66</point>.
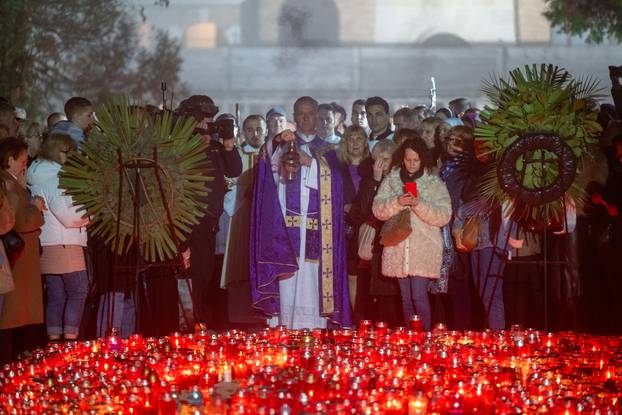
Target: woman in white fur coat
<point>417,259</point>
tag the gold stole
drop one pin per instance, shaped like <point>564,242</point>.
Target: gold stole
<point>326,215</point>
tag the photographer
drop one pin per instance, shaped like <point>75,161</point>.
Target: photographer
<point>225,161</point>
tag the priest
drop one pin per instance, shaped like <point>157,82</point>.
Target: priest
<point>297,253</point>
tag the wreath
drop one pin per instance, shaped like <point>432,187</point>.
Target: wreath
<point>533,138</point>
<point>158,161</point>
<point>541,150</point>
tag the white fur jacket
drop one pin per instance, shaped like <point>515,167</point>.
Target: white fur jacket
<point>421,254</point>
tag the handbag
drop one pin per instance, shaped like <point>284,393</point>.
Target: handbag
<point>13,245</point>
<point>468,236</point>
<point>396,229</point>
<point>367,234</point>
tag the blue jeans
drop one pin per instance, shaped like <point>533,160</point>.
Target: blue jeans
<point>415,299</point>
<point>123,314</point>
<point>66,294</point>
<point>487,266</point>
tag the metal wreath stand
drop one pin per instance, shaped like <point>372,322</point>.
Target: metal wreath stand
<point>126,170</point>
<point>512,181</point>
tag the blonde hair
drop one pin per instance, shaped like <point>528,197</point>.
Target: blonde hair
<point>342,148</point>
<point>54,144</point>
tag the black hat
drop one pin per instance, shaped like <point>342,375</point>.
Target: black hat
<point>199,104</point>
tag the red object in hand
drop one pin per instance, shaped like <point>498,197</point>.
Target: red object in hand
<point>411,187</point>
<point>597,199</point>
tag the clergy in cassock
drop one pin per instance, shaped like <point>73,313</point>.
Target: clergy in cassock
<point>235,276</point>
<point>297,253</point>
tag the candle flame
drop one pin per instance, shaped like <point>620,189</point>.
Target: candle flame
<point>418,403</point>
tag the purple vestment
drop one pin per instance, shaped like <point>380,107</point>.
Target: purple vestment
<point>274,247</point>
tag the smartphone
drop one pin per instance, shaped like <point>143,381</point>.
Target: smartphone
<point>411,187</point>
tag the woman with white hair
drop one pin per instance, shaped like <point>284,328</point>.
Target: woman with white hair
<point>377,297</point>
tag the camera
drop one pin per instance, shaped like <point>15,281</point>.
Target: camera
<point>202,106</point>
<point>223,129</point>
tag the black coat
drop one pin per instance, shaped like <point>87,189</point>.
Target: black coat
<point>222,164</point>
<point>361,212</point>
<point>349,196</point>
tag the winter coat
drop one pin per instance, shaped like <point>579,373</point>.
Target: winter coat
<point>23,305</point>
<point>361,212</point>
<point>421,254</point>
<point>64,225</point>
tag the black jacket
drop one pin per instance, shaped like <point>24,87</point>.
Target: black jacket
<point>360,211</point>
<point>222,164</point>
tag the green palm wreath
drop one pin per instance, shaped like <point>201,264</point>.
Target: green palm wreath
<point>536,99</point>
<point>130,134</point>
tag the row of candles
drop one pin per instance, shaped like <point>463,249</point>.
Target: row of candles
<point>369,370</point>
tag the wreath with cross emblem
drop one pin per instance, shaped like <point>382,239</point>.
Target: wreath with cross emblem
<point>534,137</point>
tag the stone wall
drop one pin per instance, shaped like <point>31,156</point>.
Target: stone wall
<point>262,76</point>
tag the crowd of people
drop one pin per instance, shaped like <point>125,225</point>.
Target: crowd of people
<point>311,222</point>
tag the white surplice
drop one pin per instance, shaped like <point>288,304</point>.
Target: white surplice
<point>299,293</point>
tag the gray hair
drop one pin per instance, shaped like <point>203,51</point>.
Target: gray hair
<point>383,146</point>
